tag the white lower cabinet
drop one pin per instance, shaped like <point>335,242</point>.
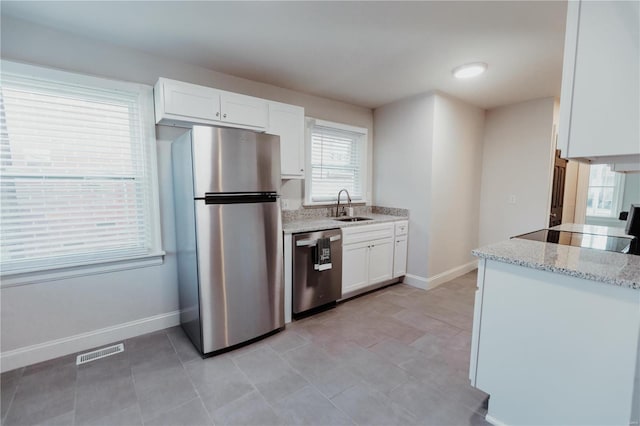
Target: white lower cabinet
<point>400,249</point>
<point>380,260</point>
<point>400,256</point>
<point>367,256</point>
<point>355,266</point>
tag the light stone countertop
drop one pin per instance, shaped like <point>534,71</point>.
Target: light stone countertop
<point>592,229</point>
<point>598,265</point>
<point>322,223</point>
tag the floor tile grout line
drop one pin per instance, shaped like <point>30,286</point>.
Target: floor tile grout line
<point>175,408</point>
<point>255,388</point>
<point>135,390</point>
<point>320,392</point>
<point>195,388</point>
<point>6,415</point>
<point>75,396</point>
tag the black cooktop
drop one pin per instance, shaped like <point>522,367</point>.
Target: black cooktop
<point>578,239</point>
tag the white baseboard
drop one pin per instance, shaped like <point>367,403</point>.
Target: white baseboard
<point>441,278</point>
<point>28,355</point>
<point>494,421</point>
<point>416,281</point>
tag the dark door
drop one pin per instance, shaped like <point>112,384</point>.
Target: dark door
<point>557,190</point>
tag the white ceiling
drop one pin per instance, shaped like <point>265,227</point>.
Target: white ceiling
<point>364,53</point>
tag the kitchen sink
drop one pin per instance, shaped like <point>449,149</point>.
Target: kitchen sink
<point>353,219</point>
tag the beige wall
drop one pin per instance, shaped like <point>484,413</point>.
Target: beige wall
<point>516,164</point>
<point>402,164</point>
<point>427,158</point>
<point>456,171</point>
<point>570,192</point>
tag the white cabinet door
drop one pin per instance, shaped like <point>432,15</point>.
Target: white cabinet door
<point>400,256</point>
<point>189,100</point>
<point>380,260</point>
<point>243,110</point>
<point>355,263</point>
<point>287,121</point>
<point>600,102</point>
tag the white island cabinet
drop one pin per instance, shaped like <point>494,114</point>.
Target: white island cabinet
<point>600,96</point>
<point>556,335</point>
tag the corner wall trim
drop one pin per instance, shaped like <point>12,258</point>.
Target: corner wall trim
<point>494,421</point>
<point>416,281</point>
<point>441,278</point>
<point>28,355</point>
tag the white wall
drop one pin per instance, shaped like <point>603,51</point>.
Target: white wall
<point>37,314</point>
<point>427,158</point>
<point>631,190</point>
<point>516,162</point>
<point>456,172</point>
<point>402,163</point>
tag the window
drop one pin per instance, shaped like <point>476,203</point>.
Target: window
<point>78,171</point>
<point>604,197</point>
<point>336,159</point>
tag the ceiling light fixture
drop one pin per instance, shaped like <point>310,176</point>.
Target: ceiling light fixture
<point>469,70</point>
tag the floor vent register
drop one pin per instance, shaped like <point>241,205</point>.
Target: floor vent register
<point>99,353</point>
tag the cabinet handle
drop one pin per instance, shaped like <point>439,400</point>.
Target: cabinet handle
<point>224,115</point>
<point>218,114</point>
<point>302,170</point>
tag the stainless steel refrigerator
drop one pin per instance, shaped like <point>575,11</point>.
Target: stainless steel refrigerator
<point>228,236</point>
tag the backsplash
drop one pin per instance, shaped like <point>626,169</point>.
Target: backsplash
<point>320,212</point>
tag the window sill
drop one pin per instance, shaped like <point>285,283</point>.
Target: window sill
<point>35,277</point>
<point>333,204</point>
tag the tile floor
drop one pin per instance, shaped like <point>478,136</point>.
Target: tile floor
<point>398,356</point>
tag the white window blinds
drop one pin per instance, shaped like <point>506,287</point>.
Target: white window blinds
<point>77,168</point>
<point>337,159</point>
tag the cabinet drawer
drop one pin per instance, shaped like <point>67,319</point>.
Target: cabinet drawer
<point>402,228</point>
<point>356,234</point>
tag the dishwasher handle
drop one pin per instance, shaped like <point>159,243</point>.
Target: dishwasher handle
<point>313,243</point>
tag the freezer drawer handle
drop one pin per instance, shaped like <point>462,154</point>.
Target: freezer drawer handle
<point>313,243</point>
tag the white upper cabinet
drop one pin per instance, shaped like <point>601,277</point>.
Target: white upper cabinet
<point>600,102</point>
<point>184,104</point>
<point>188,101</point>
<point>287,121</point>
<point>243,110</point>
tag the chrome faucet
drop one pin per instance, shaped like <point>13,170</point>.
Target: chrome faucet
<point>338,205</point>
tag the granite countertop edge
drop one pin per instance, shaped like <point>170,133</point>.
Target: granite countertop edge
<point>520,253</point>
<point>324,223</point>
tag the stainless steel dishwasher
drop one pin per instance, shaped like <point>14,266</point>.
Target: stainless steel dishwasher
<point>312,286</point>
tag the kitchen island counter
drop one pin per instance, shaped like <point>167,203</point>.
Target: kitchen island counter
<point>596,265</point>
<point>556,333</point>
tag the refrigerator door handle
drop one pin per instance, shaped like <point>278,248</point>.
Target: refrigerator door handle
<point>240,198</point>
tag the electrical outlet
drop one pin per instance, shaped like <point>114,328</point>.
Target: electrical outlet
<point>286,203</point>
<point>512,199</point>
